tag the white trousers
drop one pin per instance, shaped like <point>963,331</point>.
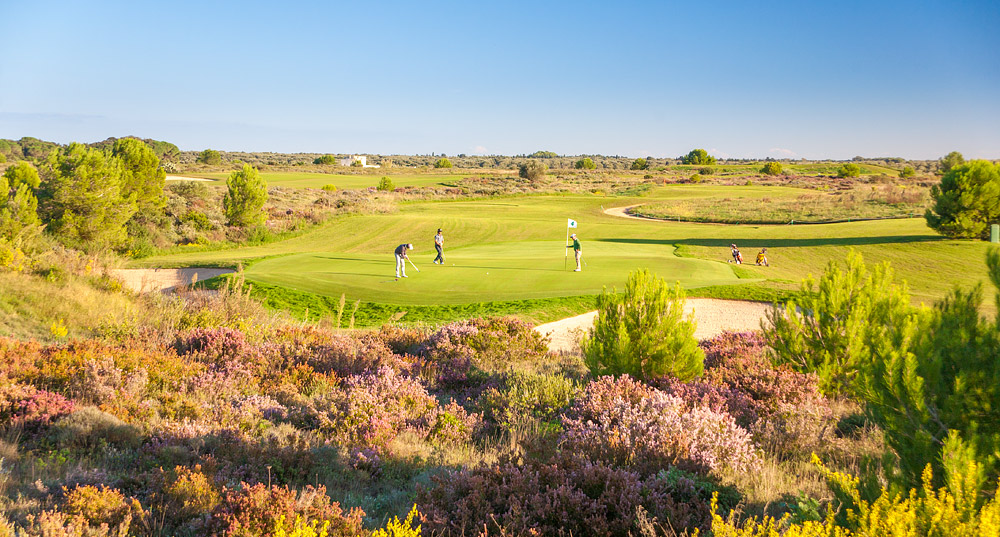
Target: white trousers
<point>400,265</point>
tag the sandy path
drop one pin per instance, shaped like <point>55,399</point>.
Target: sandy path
<point>713,316</point>
<point>182,178</point>
<point>621,211</point>
<point>165,280</point>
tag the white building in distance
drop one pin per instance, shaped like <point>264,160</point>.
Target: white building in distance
<point>357,158</point>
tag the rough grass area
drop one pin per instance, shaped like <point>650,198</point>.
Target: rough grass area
<point>861,203</point>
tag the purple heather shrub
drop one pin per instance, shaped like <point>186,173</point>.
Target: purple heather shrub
<point>625,423</point>
<point>366,460</point>
<point>565,496</point>
<point>350,355</point>
<point>31,409</point>
<point>369,409</point>
<point>452,424</point>
<point>222,343</point>
<point>258,510</point>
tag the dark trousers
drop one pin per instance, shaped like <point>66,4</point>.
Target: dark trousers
<point>440,256</point>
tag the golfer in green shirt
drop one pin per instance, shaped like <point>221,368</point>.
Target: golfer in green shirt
<point>577,252</point>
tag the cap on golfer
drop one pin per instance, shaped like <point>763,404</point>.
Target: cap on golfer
<point>439,230</point>
<point>573,235</point>
<point>410,247</point>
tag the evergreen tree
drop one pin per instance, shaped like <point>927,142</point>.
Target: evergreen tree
<point>585,164</point>
<point>18,204</point>
<point>643,332</point>
<point>81,198</point>
<point>245,199</point>
<point>141,175</point>
<point>967,201</point>
<point>828,329</point>
<point>939,383</point>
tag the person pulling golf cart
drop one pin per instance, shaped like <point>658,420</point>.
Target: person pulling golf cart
<point>402,258</point>
<point>737,256</point>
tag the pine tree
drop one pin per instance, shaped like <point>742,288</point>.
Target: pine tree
<point>827,329</point>
<point>245,199</point>
<point>643,332</point>
<point>81,198</point>
<point>18,204</point>
<point>141,175</point>
<point>942,380</point>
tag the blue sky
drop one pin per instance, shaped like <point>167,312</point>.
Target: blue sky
<point>741,79</point>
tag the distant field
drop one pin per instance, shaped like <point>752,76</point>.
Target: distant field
<point>319,180</point>
<point>800,169</point>
<point>519,242</point>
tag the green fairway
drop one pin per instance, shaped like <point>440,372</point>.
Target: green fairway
<point>499,271</point>
<point>344,181</point>
<point>519,241</point>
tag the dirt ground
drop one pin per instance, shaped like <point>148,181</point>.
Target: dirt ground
<point>165,280</point>
<point>712,315</point>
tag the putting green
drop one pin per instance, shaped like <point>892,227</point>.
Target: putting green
<point>501,271</point>
<point>520,242</point>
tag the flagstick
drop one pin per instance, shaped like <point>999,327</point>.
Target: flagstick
<point>566,249</point>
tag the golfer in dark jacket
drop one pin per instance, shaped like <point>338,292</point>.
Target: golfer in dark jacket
<point>439,246</point>
<point>401,258</point>
<point>577,251</point>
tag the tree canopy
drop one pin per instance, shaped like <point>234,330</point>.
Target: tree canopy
<point>640,164</point>
<point>245,197</point>
<point>585,163</point>
<point>967,201</point>
<point>698,156</point>
<point>210,156</point>
<point>771,168</point>
<point>142,175</point>
<point>849,170</point>
<point>442,163</point>
<point>81,198</point>
<point>949,161</point>
<point>18,204</point>
<point>532,170</point>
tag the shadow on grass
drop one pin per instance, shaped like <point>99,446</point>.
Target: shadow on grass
<point>782,243</point>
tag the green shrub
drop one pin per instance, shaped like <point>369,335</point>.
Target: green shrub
<point>829,330</point>
<point>442,163</point>
<point>385,184</point>
<point>907,172</point>
<point>942,379</point>
<point>639,164</point>
<point>643,333</point>
<point>245,198</point>
<point>89,427</point>
<point>849,170</point>
<point>696,178</point>
<point>325,159</point>
<point>967,201</point>
<point>531,170</point>
<point>330,187</point>
<point>210,156</point>
<point>771,168</point>
<point>949,161</point>
<point>526,396</point>
<point>585,164</point>
<point>705,171</point>
<point>698,156</point>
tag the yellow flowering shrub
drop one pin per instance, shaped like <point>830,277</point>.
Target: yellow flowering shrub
<point>953,511</point>
<point>301,528</point>
<point>395,528</point>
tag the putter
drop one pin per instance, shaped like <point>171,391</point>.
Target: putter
<point>412,265</point>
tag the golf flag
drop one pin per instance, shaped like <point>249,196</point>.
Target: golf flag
<point>571,223</point>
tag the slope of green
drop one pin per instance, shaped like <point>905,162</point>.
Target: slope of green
<point>344,181</point>
<point>520,243</point>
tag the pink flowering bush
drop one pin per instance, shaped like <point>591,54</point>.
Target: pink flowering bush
<point>259,510</point>
<point>625,423</point>
<point>565,496</point>
<point>373,408</point>
<point>351,355</point>
<point>29,408</point>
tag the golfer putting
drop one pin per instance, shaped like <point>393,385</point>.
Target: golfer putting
<point>402,258</point>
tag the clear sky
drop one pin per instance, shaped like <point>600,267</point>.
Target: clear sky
<point>742,79</point>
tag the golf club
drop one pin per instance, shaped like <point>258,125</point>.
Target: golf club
<point>412,265</point>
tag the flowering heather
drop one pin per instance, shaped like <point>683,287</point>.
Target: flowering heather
<point>622,422</point>
<point>29,408</point>
<point>349,355</point>
<point>213,343</point>
<point>451,424</point>
<point>562,497</point>
<point>368,409</point>
<point>257,510</point>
